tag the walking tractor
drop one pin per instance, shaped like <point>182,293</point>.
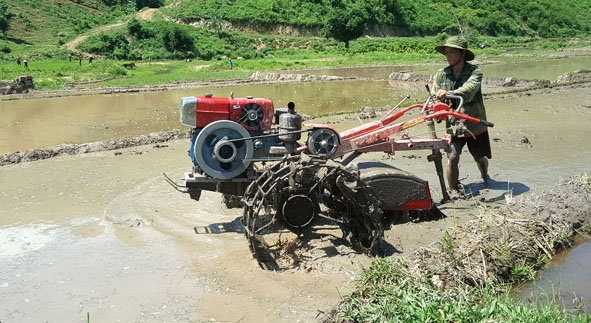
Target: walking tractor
<point>19,85</point>
<point>245,148</point>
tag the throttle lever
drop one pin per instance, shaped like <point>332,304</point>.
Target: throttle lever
<point>429,99</point>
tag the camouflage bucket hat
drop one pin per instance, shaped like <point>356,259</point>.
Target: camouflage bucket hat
<point>456,42</point>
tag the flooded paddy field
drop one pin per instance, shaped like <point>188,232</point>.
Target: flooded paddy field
<point>102,235</point>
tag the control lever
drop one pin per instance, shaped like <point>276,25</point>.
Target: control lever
<point>457,97</point>
<point>436,156</point>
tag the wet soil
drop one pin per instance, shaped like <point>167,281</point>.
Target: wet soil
<point>94,230</point>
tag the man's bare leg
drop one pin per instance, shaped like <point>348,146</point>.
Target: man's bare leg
<point>453,173</point>
<point>482,163</point>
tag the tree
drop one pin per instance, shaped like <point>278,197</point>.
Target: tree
<point>136,30</point>
<point>149,3</point>
<point>174,39</point>
<point>346,20</point>
<point>5,18</point>
<point>109,45</point>
<point>462,16</point>
<point>217,21</point>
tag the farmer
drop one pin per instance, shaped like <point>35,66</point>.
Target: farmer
<point>463,79</point>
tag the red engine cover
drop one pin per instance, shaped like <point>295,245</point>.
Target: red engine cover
<point>251,113</point>
<point>210,109</point>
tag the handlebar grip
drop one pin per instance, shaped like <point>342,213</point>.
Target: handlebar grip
<point>487,123</point>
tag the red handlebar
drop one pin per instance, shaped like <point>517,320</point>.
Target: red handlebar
<point>459,115</point>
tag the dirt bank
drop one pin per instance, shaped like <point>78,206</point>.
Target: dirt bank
<point>491,86</point>
<point>75,149</point>
<point>529,229</point>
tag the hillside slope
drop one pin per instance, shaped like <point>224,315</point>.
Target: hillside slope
<point>44,25</point>
<point>147,14</point>
<point>47,26</point>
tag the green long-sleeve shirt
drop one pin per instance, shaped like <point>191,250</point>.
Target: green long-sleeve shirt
<point>468,85</point>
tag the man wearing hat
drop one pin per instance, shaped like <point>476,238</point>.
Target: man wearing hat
<point>463,79</point>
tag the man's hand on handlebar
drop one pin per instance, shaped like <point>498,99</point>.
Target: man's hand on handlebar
<point>442,94</point>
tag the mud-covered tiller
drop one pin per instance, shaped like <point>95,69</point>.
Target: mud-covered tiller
<point>244,147</point>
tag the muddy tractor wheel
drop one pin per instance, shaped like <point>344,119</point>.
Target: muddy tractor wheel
<point>287,197</point>
<point>20,87</point>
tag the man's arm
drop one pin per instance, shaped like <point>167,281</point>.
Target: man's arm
<point>469,89</point>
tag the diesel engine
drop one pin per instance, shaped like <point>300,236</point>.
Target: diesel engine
<point>230,134</point>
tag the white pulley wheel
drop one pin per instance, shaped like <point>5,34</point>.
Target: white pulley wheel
<point>219,154</point>
<point>323,142</point>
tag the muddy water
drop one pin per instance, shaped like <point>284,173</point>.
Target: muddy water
<point>103,235</point>
<point>37,123</point>
<point>565,281</point>
<point>538,70</point>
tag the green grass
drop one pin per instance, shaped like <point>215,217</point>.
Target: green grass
<point>57,72</point>
<point>388,292</point>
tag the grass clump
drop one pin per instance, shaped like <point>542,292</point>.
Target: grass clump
<point>389,291</point>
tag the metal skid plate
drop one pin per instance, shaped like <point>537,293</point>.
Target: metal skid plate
<point>233,186</point>
<point>218,155</point>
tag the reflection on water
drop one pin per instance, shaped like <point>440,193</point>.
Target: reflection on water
<point>372,72</point>
<point>317,98</point>
<point>38,123</point>
<point>565,280</point>
<point>537,70</point>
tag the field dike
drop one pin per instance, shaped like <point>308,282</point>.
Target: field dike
<point>527,231</point>
<point>497,248</point>
<point>30,155</point>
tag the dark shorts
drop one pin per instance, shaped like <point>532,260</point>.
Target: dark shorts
<point>478,147</point>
